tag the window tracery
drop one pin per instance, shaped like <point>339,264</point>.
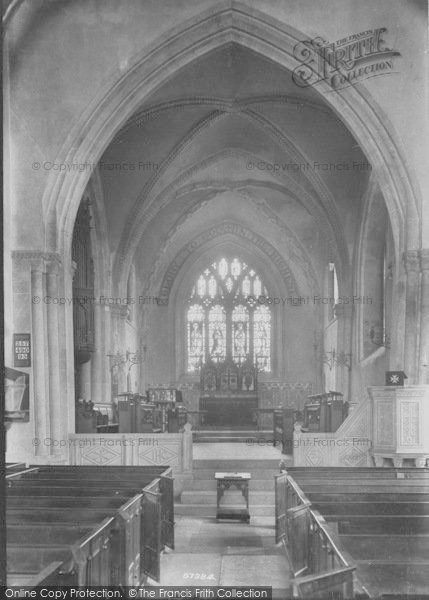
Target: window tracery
<point>223,317</point>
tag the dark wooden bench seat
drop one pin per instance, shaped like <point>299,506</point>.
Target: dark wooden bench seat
<point>55,515</point>
<point>376,524</point>
<point>72,491</point>
<point>45,534</point>
<point>369,497</point>
<point>111,502</point>
<point>60,500</point>
<point>395,548</point>
<point>359,473</point>
<point>381,516</point>
<point>85,562</point>
<point>50,575</point>
<point>382,509</point>
<point>68,481</point>
<point>33,558</point>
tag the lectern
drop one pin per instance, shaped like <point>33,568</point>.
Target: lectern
<point>241,482</point>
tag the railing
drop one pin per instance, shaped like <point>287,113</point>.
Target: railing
<point>319,566</point>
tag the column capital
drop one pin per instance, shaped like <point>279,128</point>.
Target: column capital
<point>38,260</point>
<point>411,261</point>
<point>52,267</point>
<point>424,259</point>
<point>343,310</point>
<point>118,310</point>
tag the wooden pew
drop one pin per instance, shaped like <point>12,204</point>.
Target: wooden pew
<point>381,518</point>
<point>33,499</point>
<point>126,554</point>
<point>67,484</point>
<point>88,561</point>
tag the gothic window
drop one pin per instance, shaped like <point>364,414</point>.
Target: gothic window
<point>262,338</point>
<point>224,319</point>
<point>217,332</point>
<point>240,333</point>
<point>196,336</point>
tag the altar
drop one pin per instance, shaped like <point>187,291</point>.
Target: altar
<point>229,394</point>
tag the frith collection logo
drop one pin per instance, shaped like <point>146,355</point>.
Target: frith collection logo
<point>345,62</point>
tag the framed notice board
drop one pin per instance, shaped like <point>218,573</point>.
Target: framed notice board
<point>22,350</point>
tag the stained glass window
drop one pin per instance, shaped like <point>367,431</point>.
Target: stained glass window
<point>217,332</point>
<point>240,333</point>
<point>225,319</point>
<point>196,336</point>
<point>262,338</point>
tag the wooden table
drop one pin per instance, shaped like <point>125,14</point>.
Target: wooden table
<point>224,482</point>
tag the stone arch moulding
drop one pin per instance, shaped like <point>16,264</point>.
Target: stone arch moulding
<point>216,232</point>
<point>397,336</point>
<point>229,22</point>
<point>210,190</point>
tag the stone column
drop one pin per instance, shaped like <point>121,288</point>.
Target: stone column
<point>85,390</point>
<point>96,360</point>
<point>412,266</point>
<point>424,318</point>
<point>344,314</point>
<point>67,349</point>
<point>119,315</point>
<point>187,448</point>
<point>41,405</point>
<point>55,392</point>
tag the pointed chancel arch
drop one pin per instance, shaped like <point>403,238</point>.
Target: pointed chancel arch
<point>230,22</point>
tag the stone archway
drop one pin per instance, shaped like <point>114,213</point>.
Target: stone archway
<point>231,22</point>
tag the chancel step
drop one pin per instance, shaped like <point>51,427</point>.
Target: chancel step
<point>249,436</point>
<point>209,510</point>
<point>209,497</point>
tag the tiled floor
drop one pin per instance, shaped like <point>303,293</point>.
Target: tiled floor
<point>212,553</point>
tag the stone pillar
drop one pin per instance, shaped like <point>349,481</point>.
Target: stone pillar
<point>108,348</point>
<point>96,359</point>
<point>187,448</point>
<point>412,266</point>
<point>67,350</point>
<point>119,315</point>
<point>344,314</point>
<point>424,318</point>
<point>85,390</point>
<point>55,392</point>
<point>41,389</point>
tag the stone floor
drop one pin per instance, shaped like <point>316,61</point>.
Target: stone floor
<point>226,553</point>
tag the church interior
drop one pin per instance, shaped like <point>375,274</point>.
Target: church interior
<point>216,298</point>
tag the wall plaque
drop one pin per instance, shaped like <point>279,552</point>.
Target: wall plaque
<point>22,349</point>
